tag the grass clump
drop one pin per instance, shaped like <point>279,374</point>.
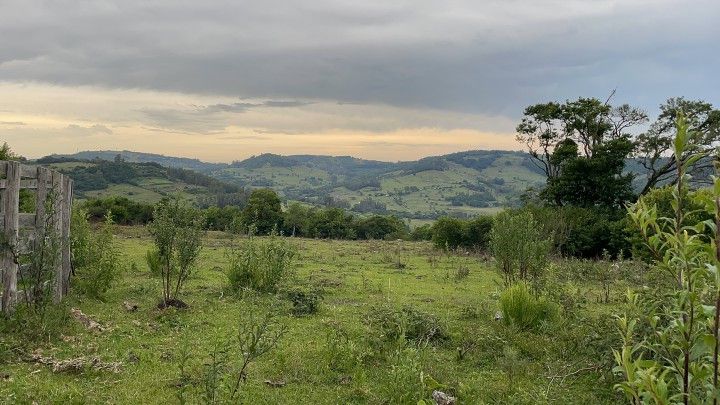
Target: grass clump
<point>304,302</point>
<point>407,323</point>
<point>524,310</point>
<point>260,264</point>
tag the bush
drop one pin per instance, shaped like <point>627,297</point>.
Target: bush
<point>380,227</point>
<point>96,257</point>
<point>519,246</point>
<point>304,302</point>
<point>260,264</point>
<point>407,323</point>
<point>423,232</point>
<point>523,310</point>
<point>452,233</point>
<point>177,231</point>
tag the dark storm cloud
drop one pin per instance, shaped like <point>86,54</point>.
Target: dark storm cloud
<point>462,55</point>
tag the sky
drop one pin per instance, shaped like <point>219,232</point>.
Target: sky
<point>380,79</point>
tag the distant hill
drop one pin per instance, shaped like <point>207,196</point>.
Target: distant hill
<point>140,157</point>
<point>146,182</point>
<point>461,184</point>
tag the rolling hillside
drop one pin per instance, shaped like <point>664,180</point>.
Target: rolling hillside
<point>142,182</point>
<point>464,183</point>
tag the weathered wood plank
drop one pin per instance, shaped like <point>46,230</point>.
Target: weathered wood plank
<point>26,220</point>
<point>65,233</point>
<point>28,172</point>
<point>24,183</point>
<point>57,203</point>
<point>41,199</point>
<point>11,203</point>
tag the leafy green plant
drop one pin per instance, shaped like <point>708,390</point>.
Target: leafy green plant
<point>256,337</point>
<point>519,247</point>
<point>152,259</point>
<point>524,310</point>
<point>177,231</point>
<point>260,264</point>
<point>670,351</point>
<point>96,257</point>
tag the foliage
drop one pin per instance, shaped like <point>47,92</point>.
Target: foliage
<point>256,337</point>
<point>408,323</point>
<point>176,230</point>
<point>662,200</point>
<point>263,211</point>
<point>596,180</point>
<point>655,147</point>
<point>260,264</point>
<point>154,263</point>
<point>524,310</point>
<point>452,233</point>
<point>670,351</point>
<point>519,247</point>
<point>380,227</point>
<point>123,211</point>
<point>583,232</point>
<point>95,256</point>
<point>37,266</point>
<point>332,223</point>
<point>422,232</point>
<point>304,302</point>
<point>228,218</point>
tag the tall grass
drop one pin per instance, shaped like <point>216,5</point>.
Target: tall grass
<point>260,264</point>
<point>523,310</point>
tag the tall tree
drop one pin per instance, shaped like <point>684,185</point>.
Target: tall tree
<point>581,147</point>
<point>655,146</point>
<point>263,211</point>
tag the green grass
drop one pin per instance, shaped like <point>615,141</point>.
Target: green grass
<point>353,277</point>
<point>148,191</point>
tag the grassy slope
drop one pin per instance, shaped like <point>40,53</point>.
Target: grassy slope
<point>354,275</point>
<point>147,189</point>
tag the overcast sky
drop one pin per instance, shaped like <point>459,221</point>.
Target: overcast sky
<point>385,79</point>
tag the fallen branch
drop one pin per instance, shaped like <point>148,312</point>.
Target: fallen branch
<point>86,320</point>
<point>562,377</point>
<point>76,365</point>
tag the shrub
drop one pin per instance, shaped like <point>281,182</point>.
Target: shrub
<point>260,264</point>
<point>423,232</point>
<point>177,231</point>
<point>452,233</point>
<point>96,257</point>
<point>523,310</point>
<point>519,247</point>
<point>304,302</point>
<point>407,323</point>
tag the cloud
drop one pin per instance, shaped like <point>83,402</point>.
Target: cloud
<point>89,130</point>
<point>488,57</point>
<point>12,123</point>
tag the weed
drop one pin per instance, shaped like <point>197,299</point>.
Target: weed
<point>260,264</point>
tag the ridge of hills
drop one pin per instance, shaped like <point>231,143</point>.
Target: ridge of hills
<point>460,184</point>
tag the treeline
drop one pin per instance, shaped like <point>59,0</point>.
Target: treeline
<point>263,214</point>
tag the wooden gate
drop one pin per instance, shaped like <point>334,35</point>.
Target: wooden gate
<point>21,230</point>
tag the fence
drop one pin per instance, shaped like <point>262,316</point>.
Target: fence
<point>20,230</point>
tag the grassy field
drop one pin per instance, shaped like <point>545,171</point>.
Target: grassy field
<point>334,356</point>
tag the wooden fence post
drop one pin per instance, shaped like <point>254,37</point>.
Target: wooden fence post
<point>11,203</point>
<point>57,220</point>
<point>66,207</point>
